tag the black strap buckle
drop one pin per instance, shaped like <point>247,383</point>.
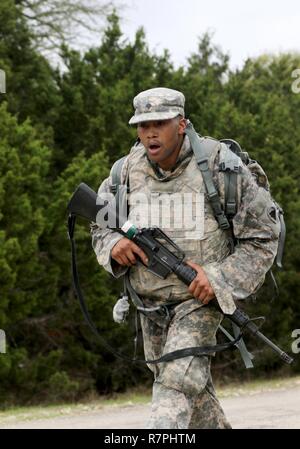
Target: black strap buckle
<point>203,164</point>
<point>231,208</point>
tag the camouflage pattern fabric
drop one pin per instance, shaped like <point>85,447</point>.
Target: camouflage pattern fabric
<point>183,393</point>
<point>256,229</point>
<point>172,409</point>
<point>159,103</point>
<point>232,277</point>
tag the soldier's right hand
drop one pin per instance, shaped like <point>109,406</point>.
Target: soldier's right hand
<point>125,251</point>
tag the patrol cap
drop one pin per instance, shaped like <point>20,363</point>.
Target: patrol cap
<point>159,103</point>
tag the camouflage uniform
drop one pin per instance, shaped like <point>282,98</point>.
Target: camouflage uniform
<point>183,392</point>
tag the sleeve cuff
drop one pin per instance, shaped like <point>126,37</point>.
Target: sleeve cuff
<point>104,257</point>
<point>222,290</point>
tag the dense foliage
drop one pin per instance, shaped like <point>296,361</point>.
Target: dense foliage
<point>60,127</point>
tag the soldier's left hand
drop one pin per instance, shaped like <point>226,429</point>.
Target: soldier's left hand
<point>200,288</point>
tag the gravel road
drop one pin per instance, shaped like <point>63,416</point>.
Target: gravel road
<point>275,409</point>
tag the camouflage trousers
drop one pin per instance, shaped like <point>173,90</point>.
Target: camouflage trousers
<point>183,393</point>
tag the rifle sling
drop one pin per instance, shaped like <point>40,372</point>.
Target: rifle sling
<point>180,353</point>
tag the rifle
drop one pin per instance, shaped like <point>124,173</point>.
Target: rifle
<point>162,261</point>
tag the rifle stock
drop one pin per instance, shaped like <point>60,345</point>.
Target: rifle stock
<point>84,203</point>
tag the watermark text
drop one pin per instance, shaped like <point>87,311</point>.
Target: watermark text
<point>296,83</point>
<point>176,211</point>
<point>2,342</point>
<point>2,82</point>
<point>296,343</point>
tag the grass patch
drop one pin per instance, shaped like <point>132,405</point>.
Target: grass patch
<point>257,386</point>
<point>134,397</point>
<point>89,405</point>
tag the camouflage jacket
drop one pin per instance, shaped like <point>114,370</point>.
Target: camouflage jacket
<point>232,276</point>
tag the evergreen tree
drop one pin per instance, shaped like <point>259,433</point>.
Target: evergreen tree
<point>97,93</point>
<point>31,87</point>
<point>58,129</point>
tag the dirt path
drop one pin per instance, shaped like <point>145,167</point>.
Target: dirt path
<point>275,409</point>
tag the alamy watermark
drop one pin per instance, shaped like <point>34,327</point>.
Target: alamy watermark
<point>296,343</point>
<point>2,82</point>
<point>2,333</point>
<point>180,211</point>
<point>296,83</point>
<point>2,342</point>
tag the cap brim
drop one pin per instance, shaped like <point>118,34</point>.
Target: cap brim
<point>150,116</point>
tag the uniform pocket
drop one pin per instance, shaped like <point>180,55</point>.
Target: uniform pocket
<point>196,376</point>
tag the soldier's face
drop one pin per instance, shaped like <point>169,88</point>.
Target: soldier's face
<point>162,140</point>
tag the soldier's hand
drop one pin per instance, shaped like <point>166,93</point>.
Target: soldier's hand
<point>200,288</point>
<point>125,251</point>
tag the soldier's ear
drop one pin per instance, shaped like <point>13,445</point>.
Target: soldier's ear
<point>181,125</point>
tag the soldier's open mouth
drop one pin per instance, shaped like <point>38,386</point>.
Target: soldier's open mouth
<point>154,149</point>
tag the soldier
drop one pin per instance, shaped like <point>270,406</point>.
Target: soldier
<point>159,167</point>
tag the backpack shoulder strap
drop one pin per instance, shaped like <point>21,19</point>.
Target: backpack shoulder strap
<point>230,164</point>
<point>116,174</point>
<point>117,177</point>
<point>203,149</point>
<point>120,190</point>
